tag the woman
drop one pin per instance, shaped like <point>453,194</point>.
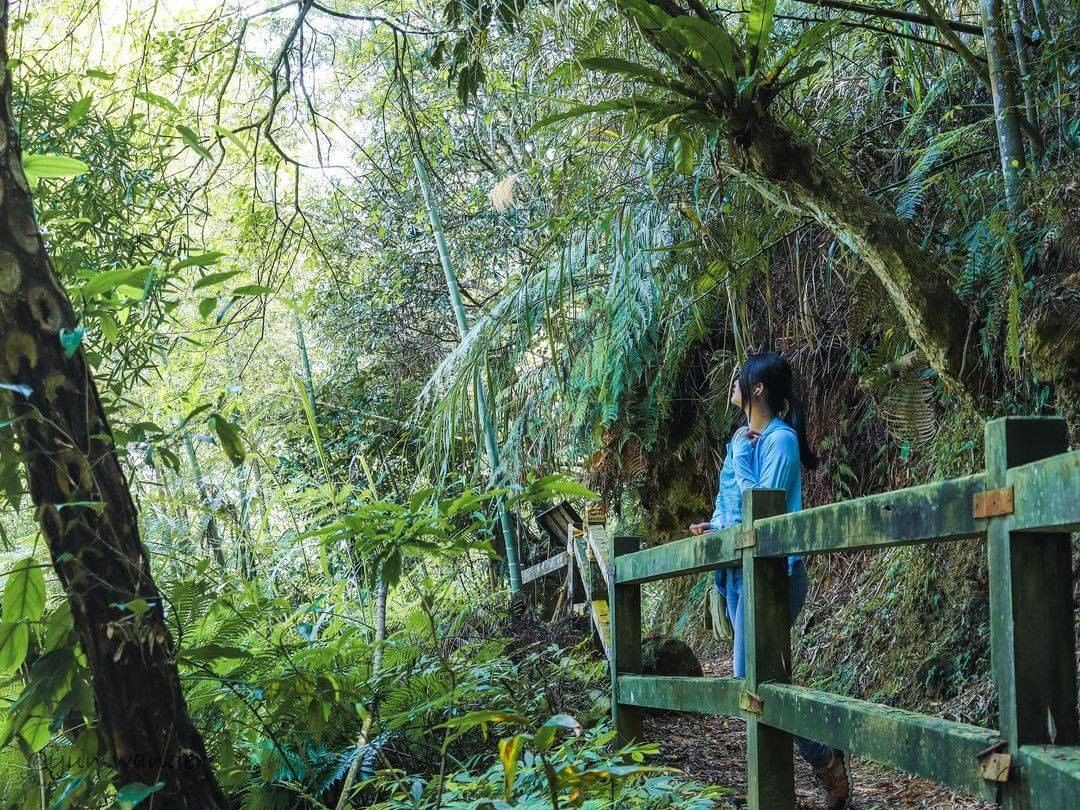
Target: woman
<point>769,452</point>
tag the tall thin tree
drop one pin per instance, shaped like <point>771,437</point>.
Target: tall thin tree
<point>1003,90</point>
<point>482,410</point>
<point>85,509</point>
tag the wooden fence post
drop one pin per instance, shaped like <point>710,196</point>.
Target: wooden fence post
<point>624,606</point>
<point>1031,605</point>
<point>770,775</point>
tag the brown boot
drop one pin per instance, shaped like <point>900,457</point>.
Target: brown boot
<point>833,776</point>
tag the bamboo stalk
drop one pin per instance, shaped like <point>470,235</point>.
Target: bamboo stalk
<point>482,409</point>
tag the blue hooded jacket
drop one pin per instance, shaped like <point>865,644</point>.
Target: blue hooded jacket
<point>770,462</point>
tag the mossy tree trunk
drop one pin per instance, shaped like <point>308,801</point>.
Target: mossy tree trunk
<point>85,508</point>
<point>794,174</point>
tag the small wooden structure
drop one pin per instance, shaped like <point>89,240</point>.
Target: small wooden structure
<point>585,564</point>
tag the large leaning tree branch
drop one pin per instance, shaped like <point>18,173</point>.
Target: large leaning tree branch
<point>85,509</point>
<point>793,173</point>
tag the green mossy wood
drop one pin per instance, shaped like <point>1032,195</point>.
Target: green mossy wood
<point>1032,635</point>
<point>1031,606</point>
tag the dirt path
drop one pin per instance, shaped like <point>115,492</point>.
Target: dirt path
<point>713,750</point>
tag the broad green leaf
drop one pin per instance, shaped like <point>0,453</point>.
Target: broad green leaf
<point>633,70</point>
<point>685,149</point>
<point>52,167</point>
<point>78,111</point>
<point>200,260</point>
<point>13,640</point>
<point>759,22</point>
<point>35,730</point>
<point>98,73</point>
<point>800,73</point>
<point>229,437</point>
<point>214,278</point>
<point>24,592</point>
<point>637,104</point>
<point>482,717</point>
<point>107,282</point>
<point>509,751</point>
<point>233,138</point>
<point>545,735</point>
<point>158,101</point>
<point>57,626</point>
<point>206,307</point>
<point>707,44</point>
<point>653,20</point>
<point>110,329</point>
<point>805,45</point>
<point>130,796</point>
<point>253,289</point>
<point>562,486</point>
<point>214,652</point>
<point>137,606</point>
<point>191,138</point>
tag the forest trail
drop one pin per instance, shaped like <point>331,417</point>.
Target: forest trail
<point>712,750</point>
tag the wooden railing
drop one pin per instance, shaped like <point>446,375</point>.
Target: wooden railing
<point>1025,505</point>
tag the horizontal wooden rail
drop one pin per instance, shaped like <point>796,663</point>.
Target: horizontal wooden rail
<point>938,749</point>
<point>924,514</point>
<point>1046,494</point>
<point>689,556</point>
<point>931,513</point>
<point>1054,775</point>
<point>542,569</point>
<point>678,694</point>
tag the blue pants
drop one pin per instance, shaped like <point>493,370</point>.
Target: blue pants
<point>730,584</point>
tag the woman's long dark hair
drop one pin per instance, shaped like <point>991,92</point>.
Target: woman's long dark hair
<point>774,374</point>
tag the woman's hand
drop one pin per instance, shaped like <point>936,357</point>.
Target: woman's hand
<point>700,528</point>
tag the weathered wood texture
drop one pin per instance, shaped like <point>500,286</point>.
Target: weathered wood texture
<point>601,620</point>
<point>1033,648</point>
<point>625,641</point>
<point>928,746</point>
<point>600,554</point>
<point>770,774</point>
<point>689,556</point>
<point>930,513</point>
<point>575,582</point>
<point>700,695</point>
<point>542,569</point>
<point>1046,494</point>
<point>1029,497</point>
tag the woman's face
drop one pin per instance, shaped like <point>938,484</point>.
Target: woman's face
<point>736,392</point>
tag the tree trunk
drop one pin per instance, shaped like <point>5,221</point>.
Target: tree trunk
<point>211,533</point>
<point>793,174</point>
<point>381,595</point>
<point>1031,111</point>
<point>1006,117</point>
<point>85,509</point>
